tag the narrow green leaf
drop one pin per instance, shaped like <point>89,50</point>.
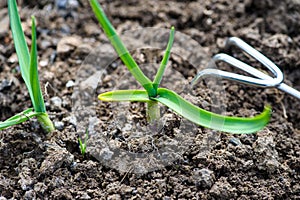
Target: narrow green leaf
<point>164,62</point>
<point>29,71</point>
<point>19,40</point>
<point>121,49</point>
<point>18,118</point>
<point>83,145</point>
<point>211,120</point>
<point>38,100</point>
<point>28,63</point>
<point>25,112</point>
<point>125,95</point>
<point>239,125</point>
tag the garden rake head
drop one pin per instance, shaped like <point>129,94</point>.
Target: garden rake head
<point>259,78</point>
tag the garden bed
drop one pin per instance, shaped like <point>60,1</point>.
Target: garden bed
<point>205,164</point>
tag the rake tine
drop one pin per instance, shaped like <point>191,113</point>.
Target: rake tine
<point>261,80</point>
<point>257,55</point>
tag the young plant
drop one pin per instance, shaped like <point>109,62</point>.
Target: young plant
<point>154,94</point>
<point>82,145</point>
<point>29,70</point>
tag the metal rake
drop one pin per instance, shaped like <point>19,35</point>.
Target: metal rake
<point>259,78</point>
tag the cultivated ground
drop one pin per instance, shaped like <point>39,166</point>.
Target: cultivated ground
<point>124,158</point>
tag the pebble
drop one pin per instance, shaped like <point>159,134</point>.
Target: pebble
<point>30,194</point>
<point>56,101</point>
<point>204,178</point>
<point>44,63</point>
<point>67,44</point>
<point>205,104</point>
<point>70,83</point>
<point>73,3</point>
<point>5,84</point>
<point>13,58</point>
<point>61,4</point>
<point>65,4</point>
<point>83,50</point>
<point>265,152</point>
<point>235,141</point>
<point>71,119</point>
<point>45,44</point>
<point>59,125</point>
<point>92,29</point>
<point>56,158</point>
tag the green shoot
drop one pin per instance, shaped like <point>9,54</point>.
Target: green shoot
<point>121,49</point>
<point>164,61</point>
<point>191,112</point>
<point>153,94</point>
<point>82,146</point>
<point>153,109</point>
<point>29,70</point>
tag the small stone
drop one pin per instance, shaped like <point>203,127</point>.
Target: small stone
<point>73,4</point>
<point>44,63</point>
<point>59,125</point>
<point>71,119</point>
<point>205,104</point>
<point>45,44</point>
<point>56,158</point>
<point>67,44</point>
<point>30,194</point>
<point>65,28</point>
<point>70,83</point>
<point>66,4</point>
<point>235,141</point>
<point>266,155</point>
<point>114,65</point>
<point>61,4</point>
<point>5,84</point>
<point>83,50</point>
<point>204,178</point>
<point>91,29</point>
<point>13,58</point>
<point>56,101</point>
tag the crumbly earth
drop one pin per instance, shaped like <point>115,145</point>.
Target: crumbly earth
<point>126,158</point>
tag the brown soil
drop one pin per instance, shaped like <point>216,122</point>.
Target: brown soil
<point>205,164</point>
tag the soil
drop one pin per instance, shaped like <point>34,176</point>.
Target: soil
<point>126,157</point>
